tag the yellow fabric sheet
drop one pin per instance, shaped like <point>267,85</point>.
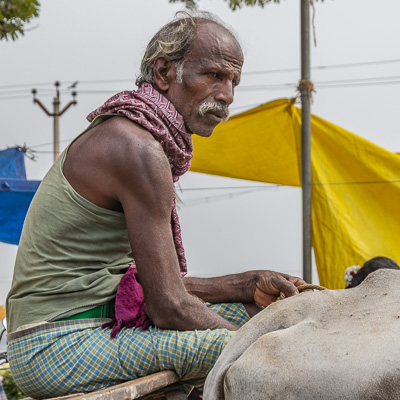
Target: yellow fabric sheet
<point>356,184</point>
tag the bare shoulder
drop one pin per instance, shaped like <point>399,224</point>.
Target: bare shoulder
<point>139,171</point>
<point>114,159</point>
<point>120,146</point>
<point>136,155</point>
<point>126,141</point>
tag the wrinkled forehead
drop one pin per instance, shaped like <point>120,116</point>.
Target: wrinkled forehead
<point>214,41</point>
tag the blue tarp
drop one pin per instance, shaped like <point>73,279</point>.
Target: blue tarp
<point>16,193</point>
<point>12,163</point>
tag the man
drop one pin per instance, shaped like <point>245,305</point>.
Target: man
<point>108,203</point>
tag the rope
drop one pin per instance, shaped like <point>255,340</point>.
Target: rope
<point>306,85</point>
<point>300,288</point>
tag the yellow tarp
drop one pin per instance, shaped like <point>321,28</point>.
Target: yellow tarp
<point>356,184</point>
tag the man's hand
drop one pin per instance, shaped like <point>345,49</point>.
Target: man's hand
<point>258,286</point>
<point>269,284</point>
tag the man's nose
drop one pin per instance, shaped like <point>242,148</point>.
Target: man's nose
<point>225,92</point>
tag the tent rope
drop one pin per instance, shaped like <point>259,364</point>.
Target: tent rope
<point>305,84</point>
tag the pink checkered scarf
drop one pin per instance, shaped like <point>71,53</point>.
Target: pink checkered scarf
<point>148,108</point>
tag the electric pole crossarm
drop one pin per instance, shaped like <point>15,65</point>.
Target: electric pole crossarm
<point>71,103</point>
<point>43,107</point>
<point>56,114</point>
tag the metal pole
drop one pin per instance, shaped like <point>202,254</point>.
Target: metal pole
<point>306,138</point>
<point>56,123</point>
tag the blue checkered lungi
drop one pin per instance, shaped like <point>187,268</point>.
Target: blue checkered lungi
<point>60,358</point>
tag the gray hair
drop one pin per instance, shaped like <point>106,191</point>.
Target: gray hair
<point>173,41</point>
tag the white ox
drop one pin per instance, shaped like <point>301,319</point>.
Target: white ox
<point>332,344</point>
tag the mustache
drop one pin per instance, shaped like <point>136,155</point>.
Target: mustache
<point>220,109</point>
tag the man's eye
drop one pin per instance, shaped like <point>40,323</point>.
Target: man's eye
<point>213,74</point>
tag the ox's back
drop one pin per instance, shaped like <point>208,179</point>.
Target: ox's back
<point>337,344</point>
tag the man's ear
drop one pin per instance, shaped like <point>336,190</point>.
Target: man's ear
<point>164,72</point>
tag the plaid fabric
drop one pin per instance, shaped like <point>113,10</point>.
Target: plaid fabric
<point>60,358</point>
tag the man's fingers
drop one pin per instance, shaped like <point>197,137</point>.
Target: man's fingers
<point>297,281</point>
<point>294,279</point>
<point>288,287</point>
<point>269,287</point>
<point>270,284</point>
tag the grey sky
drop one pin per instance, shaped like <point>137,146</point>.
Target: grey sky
<point>99,40</point>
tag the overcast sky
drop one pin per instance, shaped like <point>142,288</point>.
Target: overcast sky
<point>100,44</point>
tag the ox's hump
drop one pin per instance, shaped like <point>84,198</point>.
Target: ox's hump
<point>333,344</point>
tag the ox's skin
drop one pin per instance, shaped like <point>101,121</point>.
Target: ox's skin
<point>334,345</point>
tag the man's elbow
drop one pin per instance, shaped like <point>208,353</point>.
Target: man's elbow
<point>168,315</point>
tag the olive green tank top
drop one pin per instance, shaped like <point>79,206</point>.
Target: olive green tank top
<point>72,253</point>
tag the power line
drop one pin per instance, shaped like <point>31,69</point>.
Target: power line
<point>318,85</point>
<point>97,91</point>
<point>44,151</point>
<point>48,144</point>
<point>21,96</point>
<point>354,183</point>
<point>248,106</point>
<point>355,80</point>
<point>320,67</point>
<point>15,97</point>
<point>359,84</point>
<point>230,188</point>
<point>379,80</point>
<point>276,186</point>
<point>89,82</point>
<point>26,85</point>
<point>372,81</point>
<point>219,197</point>
<point>20,91</point>
<point>257,188</point>
<point>323,67</point>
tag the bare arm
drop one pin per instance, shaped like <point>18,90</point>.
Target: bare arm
<point>262,287</point>
<point>144,187</point>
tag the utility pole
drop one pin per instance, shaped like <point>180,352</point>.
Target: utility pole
<point>56,114</point>
<point>305,88</point>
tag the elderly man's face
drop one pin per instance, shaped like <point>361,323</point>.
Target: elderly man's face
<point>205,87</point>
